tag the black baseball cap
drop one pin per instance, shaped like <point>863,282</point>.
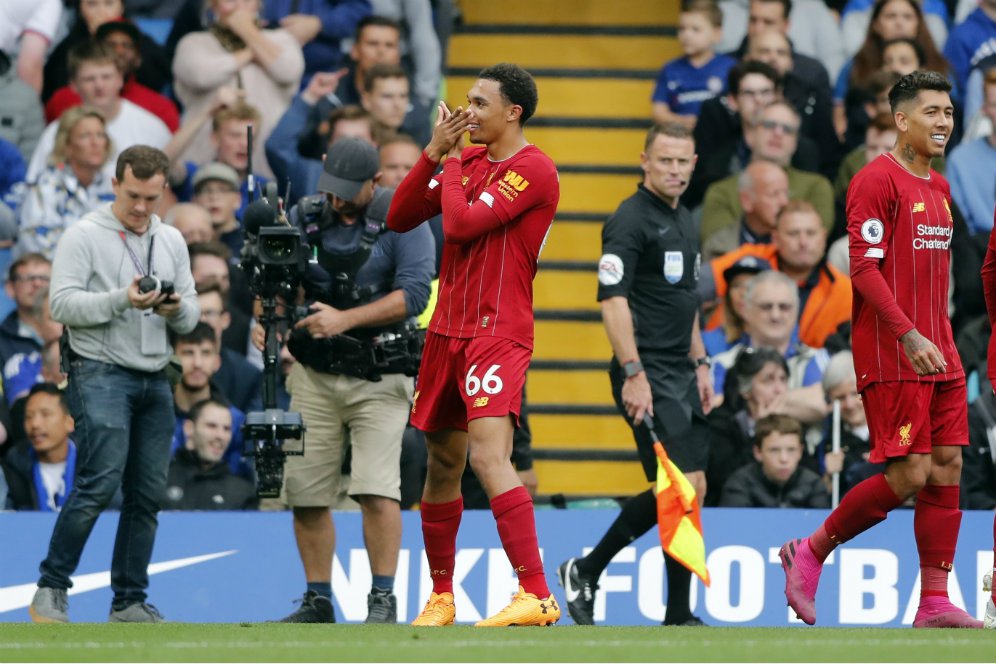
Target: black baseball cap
<point>746,265</point>
<point>349,164</point>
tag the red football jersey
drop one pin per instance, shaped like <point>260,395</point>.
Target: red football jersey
<point>496,216</point>
<point>989,287</point>
<point>899,227</point>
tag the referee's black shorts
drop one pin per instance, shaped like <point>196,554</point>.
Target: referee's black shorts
<point>678,415</point>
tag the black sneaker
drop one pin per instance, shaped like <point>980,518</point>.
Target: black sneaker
<point>382,607</point>
<point>694,621</point>
<point>580,592</point>
<point>314,609</point>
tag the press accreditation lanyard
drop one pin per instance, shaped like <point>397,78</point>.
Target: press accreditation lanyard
<point>134,259</point>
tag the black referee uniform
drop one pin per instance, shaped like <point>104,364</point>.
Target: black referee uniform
<point>650,256</point>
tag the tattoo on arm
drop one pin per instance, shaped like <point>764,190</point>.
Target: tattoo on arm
<point>914,341</point>
<point>909,154</point>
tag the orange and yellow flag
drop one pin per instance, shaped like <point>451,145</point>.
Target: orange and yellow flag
<point>679,519</point>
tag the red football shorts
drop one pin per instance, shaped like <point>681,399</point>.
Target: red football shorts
<point>464,379</point>
<point>906,416</point>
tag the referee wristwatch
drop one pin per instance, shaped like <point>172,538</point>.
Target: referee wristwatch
<point>703,361</point>
<point>632,368</point>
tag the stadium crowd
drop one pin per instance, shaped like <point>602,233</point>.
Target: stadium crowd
<point>787,100</point>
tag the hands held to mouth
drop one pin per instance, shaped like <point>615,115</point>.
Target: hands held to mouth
<point>447,135</point>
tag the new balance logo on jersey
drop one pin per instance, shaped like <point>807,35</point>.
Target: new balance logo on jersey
<point>919,207</point>
<point>904,434</point>
<point>480,402</point>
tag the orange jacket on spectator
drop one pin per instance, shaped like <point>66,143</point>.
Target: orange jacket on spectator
<point>828,305</point>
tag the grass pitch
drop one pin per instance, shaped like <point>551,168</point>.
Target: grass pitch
<point>178,642</point>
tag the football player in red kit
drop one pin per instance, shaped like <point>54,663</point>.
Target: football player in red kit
<point>989,286</point>
<point>910,377</point>
<point>498,199</point>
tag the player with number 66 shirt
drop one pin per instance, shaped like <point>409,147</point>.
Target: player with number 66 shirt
<point>498,199</point>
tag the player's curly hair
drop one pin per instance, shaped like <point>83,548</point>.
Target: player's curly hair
<point>909,86</point>
<point>516,86</point>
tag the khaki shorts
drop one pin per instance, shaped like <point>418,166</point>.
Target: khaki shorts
<point>341,411</point>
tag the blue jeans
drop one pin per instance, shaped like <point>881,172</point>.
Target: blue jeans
<point>124,427</point>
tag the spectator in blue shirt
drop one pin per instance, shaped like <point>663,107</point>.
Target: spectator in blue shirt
<point>700,74</point>
<point>771,305</point>
<point>319,27</point>
<point>971,166</point>
<point>966,40</point>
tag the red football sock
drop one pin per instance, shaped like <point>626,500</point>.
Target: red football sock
<point>861,508</point>
<point>993,594</point>
<point>440,522</point>
<point>936,520</point>
<point>513,511</point>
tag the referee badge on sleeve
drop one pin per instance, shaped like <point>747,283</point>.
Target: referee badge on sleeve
<point>674,266</point>
<point>872,231</point>
<point>610,270</point>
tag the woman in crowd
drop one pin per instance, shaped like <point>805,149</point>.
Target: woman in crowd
<point>75,182</point>
<point>756,386</point>
<point>890,20</point>
<point>234,51</point>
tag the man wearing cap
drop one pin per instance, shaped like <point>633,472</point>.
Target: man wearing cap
<point>731,328</point>
<point>123,38</point>
<point>364,284</point>
<point>646,285</point>
<point>217,189</point>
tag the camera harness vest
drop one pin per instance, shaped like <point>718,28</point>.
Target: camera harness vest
<point>343,267</point>
<point>397,351</point>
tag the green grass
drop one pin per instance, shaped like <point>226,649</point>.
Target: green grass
<point>177,642</point>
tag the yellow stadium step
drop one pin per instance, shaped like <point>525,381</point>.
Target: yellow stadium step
<point>571,340</point>
<point>574,12</point>
<point>589,145</point>
<point>573,240</point>
<point>569,387</point>
<point>595,192</point>
<point>570,51</point>
<point>576,97</point>
<point>580,432</point>
<point>603,478</point>
<point>565,289</point>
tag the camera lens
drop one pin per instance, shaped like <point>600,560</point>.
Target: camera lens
<point>147,284</point>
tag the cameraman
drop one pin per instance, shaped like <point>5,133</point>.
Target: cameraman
<point>119,394</point>
<point>364,281</point>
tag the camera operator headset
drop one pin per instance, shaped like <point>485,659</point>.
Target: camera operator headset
<point>365,285</point>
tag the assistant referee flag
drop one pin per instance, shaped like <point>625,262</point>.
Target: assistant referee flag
<point>679,520</point>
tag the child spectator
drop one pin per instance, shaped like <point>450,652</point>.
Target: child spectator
<point>775,478</point>
<point>700,74</point>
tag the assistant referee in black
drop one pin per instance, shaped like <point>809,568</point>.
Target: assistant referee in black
<point>647,280</point>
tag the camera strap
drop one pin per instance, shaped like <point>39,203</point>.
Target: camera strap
<point>134,259</point>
